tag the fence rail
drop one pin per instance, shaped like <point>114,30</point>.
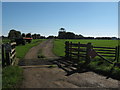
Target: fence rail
<point>89,51</point>
<point>8,54</point>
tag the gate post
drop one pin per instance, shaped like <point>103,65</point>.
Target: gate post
<point>7,52</point>
<point>78,51</point>
<point>118,53</point>
<point>3,58</point>
<point>7,58</point>
<point>67,49</point>
<point>70,51</point>
<point>88,49</point>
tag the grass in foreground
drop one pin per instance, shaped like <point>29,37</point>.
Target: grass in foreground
<point>11,77</point>
<point>21,50</point>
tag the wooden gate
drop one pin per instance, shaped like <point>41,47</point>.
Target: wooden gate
<point>77,51</point>
<point>89,51</point>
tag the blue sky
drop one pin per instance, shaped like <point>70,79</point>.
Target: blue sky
<point>46,18</point>
<point>0,18</point>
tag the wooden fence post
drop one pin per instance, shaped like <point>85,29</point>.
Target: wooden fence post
<point>118,53</point>
<point>116,48</point>
<point>67,49</point>
<point>89,47</point>
<point>7,58</point>
<point>7,52</point>
<point>78,51</point>
<point>70,46</point>
<point>3,58</point>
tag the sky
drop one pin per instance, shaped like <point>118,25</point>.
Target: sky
<point>95,19</point>
<point>60,0</point>
<point>0,18</point>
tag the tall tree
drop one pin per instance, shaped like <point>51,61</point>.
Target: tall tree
<point>29,35</point>
<point>38,36</point>
<point>34,36</point>
<point>70,35</point>
<point>61,33</point>
<point>14,34</point>
<point>62,29</point>
<point>23,35</point>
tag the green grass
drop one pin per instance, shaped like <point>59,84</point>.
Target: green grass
<point>21,50</point>
<point>11,77</point>
<point>104,68</point>
<point>59,45</point>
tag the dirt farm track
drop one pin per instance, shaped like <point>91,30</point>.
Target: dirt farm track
<point>38,74</point>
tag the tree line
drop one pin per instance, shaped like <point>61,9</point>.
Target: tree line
<point>62,34</point>
<point>13,34</point>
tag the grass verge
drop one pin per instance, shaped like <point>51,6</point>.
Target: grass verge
<point>21,50</point>
<point>11,77</point>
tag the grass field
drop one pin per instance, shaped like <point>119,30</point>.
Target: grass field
<point>59,45</point>
<point>97,64</point>
<point>21,50</point>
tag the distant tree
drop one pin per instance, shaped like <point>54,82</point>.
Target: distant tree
<point>107,38</point>
<point>28,35</point>
<point>23,35</point>
<point>38,36</point>
<point>70,35</point>
<point>14,34</point>
<point>79,36</point>
<point>55,37</point>
<point>34,36</point>
<point>50,37</point>
<point>88,37</point>
<point>61,33</point>
<point>62,29</point>
<point>42,37</point>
